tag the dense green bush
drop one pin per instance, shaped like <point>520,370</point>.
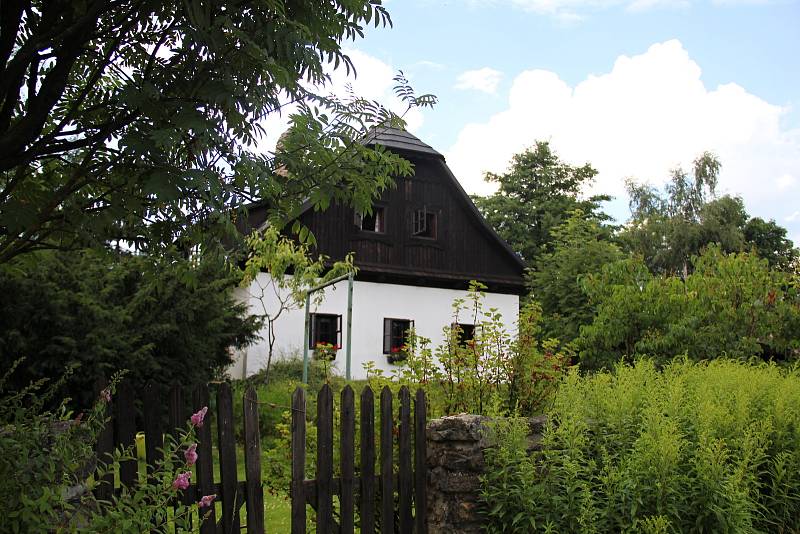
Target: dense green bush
<point>164,319</point>
<point>732,305</point>
<point>694,448</point>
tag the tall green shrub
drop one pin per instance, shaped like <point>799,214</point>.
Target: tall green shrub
<point>711,447</point>
<point>165,319</point>
<point>732,305</point>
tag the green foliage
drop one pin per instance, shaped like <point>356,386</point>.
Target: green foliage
<point>731,305</point>
<point>535,196</point>
<point>291,272</point>
<point>49,470</point>
<point>696,448</point>
<point>140,121</point>
<point>492,373</point>
<point>580,246</point>
<point>770,242</point>
<point>667,230</point>
<point>165,319</point>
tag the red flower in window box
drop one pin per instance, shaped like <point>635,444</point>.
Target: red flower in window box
<point>325,351</point>
<point>398,353</point>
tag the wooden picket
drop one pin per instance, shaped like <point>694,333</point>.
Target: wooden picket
<point>393,497</point>
<point>367,461</point>
<point>156,408</point>
<point>404,478</point>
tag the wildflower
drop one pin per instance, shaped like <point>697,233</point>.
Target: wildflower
<point>182,481</point>
<point>197,418</point>
<point>105,395</point>
<point>206,500</point>
<point>191,454</point>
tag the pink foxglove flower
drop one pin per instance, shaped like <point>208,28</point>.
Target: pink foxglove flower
<point>181,481</point>
<point>191,454</point>
<point>197,418</point>
<point>105,395</point>
<point>206,500</point>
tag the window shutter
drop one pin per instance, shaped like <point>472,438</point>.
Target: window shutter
<point>339,330</point>
<point>387,336</point>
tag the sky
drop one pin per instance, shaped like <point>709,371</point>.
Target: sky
<point>634,87</point>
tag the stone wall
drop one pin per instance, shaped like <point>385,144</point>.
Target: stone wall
<point>455,460</point>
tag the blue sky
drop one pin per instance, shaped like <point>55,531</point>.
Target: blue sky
<point>634,87</point>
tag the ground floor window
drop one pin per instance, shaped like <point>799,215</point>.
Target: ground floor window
<point>325,328</point>
<point>395,335</point>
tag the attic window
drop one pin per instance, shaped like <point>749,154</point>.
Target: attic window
<point>372,222</point>
<point>424,224</point>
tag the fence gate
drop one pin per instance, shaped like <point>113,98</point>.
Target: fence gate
<point>392,500</point>
<point>232,493</point>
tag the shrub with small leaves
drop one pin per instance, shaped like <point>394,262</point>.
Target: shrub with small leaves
<point>697,447</point>
<point>50,471</point>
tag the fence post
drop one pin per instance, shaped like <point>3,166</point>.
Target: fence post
<point>205,463</point>
<point>420,464</point>
<point>126,433</point>
<point>227,459</point>
<point>347,456</point>
<point>298,496</point>
<point>154,439</point>
<point>105,446</point>
<point>367,505</point>
<point>387,463</point>
<point>324,474</point>
<point>404,466</point>
<point>252,462</point>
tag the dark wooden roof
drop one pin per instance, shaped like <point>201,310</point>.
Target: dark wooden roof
<point>466,247</point>
<point>400,140</point>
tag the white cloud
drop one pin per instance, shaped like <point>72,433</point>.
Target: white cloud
<point>793,217</point>
<point>649,114</point>
<point>426,64</point>
<point>485,80</point>
<point>570,10</point>
<point>786,181</point>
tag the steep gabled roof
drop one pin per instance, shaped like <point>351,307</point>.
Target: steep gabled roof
<point>410,145</point>
<point>399,139</point>
<point>395,138</point>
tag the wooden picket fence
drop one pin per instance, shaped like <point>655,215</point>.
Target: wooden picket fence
<point>232,493</point>
<point>375,493</point>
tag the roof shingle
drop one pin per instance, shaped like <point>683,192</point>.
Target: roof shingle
<point>399,139</point>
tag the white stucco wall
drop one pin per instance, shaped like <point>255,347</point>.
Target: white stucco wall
<point>429,308</point>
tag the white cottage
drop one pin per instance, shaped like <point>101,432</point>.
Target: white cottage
<point>416,253</point>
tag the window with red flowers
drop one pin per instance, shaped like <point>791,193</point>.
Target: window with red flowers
<point>395,335</point>
<point>325,328</point>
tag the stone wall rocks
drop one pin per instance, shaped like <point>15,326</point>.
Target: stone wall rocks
<point>455,458</point>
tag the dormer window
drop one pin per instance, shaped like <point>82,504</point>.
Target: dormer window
<point>424,224</point>
<point>372,222</point>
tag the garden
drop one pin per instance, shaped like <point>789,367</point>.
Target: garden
<point>662,354</point>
